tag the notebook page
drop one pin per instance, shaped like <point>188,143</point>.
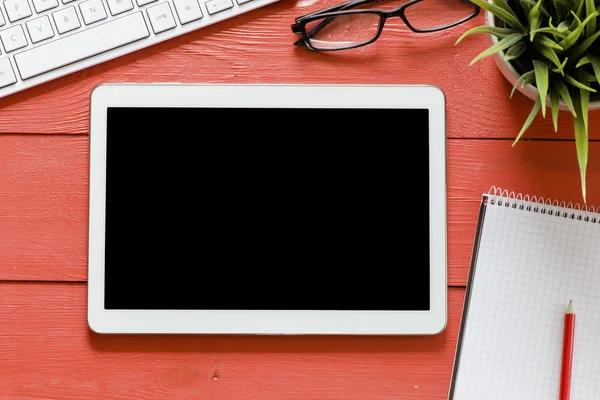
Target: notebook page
<point>529,266</point>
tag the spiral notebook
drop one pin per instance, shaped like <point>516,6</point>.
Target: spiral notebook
<point>531,256</point>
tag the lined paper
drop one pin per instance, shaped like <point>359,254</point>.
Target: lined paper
<point>530,263</point>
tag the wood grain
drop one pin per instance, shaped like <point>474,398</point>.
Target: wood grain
<point>43,207</point>
<point>43,197</point>
<point>46,349</point>
<point>257,48</point>
<point>47,352</point>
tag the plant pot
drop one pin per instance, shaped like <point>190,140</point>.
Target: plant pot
<point>512,75</point>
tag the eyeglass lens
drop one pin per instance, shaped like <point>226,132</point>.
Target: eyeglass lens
<point>343,31</point>
<point>353,30</point>
<point>435,14</point>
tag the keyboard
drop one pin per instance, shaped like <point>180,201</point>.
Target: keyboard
<point>41,40</point>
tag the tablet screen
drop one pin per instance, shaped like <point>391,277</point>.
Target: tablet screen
<point>221,208</point>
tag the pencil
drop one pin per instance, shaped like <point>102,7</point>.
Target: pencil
<point>567,353</point>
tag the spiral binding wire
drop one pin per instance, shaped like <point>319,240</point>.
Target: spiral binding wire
<point>503,197</point>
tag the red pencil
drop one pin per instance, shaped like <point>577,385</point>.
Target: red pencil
<point>567,353</point>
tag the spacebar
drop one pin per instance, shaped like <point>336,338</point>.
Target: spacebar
<point>82,45</point>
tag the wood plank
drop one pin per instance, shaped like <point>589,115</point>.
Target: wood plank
<point>546,169</point>
<point>43,197</point>
<point>43,207</point>
<point>257,48</point>
<point>47,352</point>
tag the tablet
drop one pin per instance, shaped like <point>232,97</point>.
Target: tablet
<point>267,209</point>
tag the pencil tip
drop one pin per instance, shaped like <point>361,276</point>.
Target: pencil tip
<point>570,309</point>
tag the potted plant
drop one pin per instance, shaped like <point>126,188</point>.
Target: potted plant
<point>548,50</point>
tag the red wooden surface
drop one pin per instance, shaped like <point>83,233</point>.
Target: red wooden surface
<point>46,350</point>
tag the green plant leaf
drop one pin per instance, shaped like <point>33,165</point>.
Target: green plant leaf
<point>515,51</point>
<point>503,44</point>
<point>590,8</point>
<point>555,104</point>
<point>543,40</point>
<point>563,90</point>
<point>585,77</point>
<point>554,31</point>
<point>579,7</point>
<point>504,5</point>
<point>563,26</point>
<point>524,79</point>
<point>562,8</point>
<point>595,65</point>
<point>500,33</point>
<point>531,4</point>
<point>572,81</point>
<point>575,22</point>
<point>550,54</point>
<point>578,50</point>
<point>565,3</point>
<point>585,102</point>
<point>561,69</point>
<point>572,38</point>
<point>541,82</point>
<point>562,29</point>
<point>530,118</point>
<point>526,5</point>
<point>583,61</point>
<point>581,142</point>
<point>535,19</point>
<point>505,16</point>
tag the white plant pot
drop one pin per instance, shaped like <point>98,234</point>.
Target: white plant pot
<point>512,75</point>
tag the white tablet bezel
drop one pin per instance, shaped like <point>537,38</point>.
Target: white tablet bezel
<point>279,321</point>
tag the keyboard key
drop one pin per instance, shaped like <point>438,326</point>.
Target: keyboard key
<point>161,17</point>
<point>92,11</point>
<point>44,5</point>
<point>7,75</point>
<point>66,20</point>
<point>17,9</point>
<point>119,6</point>
<point>243,1</point>
<point>215,6</point>
<point>187,10</point>
<point>2,21</point>
<point>13,38</point>
<point>81,45</point>
<point>39,29</point>
<point>144,2</point>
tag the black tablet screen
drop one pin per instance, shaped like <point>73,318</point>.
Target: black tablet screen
<point>320,209</point>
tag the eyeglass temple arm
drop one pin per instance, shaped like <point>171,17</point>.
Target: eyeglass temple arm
<point>327,21</point>
<point>356,3</point>
<point>339,7</point>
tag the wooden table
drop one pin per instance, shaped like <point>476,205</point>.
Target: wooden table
<point>46,349</point>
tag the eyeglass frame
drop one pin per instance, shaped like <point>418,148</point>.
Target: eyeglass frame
<point>299,27</point>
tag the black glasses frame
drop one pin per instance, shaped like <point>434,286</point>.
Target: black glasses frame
<point>346,9</point>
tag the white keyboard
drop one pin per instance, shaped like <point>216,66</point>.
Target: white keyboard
<point>41,40</point>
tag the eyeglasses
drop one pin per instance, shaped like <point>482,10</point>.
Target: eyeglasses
<point>343,27</point>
